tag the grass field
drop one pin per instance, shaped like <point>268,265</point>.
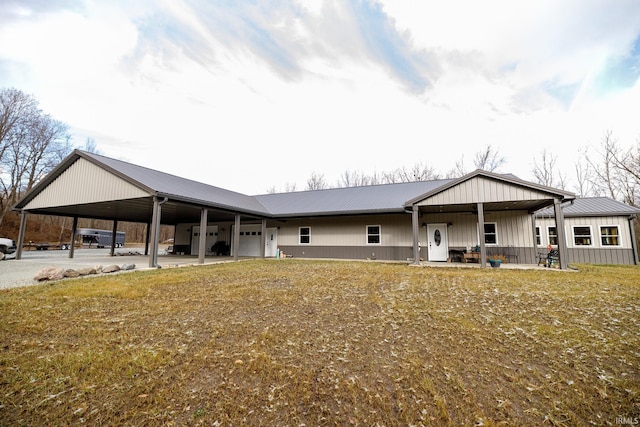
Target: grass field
<point>313,343</point>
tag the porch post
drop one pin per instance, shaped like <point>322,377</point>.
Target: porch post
<point>236,238</point>
<point>74,230</point>
<point>533,230</point>
<point>633,240</point>
<point>113,237</point>
<point>21,233</point>
<point>416,232</point>
<point>483,250</point>
<point>263,237</point>
<point>562,242</point>
<point>202,241</point>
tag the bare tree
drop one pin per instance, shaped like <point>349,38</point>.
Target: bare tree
<point>316,182</point>
<point>584,176</point>
<point>488,159</point>
<point>90,146</point>
<point>458,170</point>
<point>545,171</point>
<point>31,145</point>
<point>606,166</point>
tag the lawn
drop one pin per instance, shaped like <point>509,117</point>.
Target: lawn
<point>313,343</point>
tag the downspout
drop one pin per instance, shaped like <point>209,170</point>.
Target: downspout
<point>415,231</point>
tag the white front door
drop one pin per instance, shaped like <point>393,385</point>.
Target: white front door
<point>437,242</point>
<point>271,242</point>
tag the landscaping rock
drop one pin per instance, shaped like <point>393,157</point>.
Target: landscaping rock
<point>86,271</point>
<point>50,273</point>
<point>111,268</point>
<point>127,267</point>
<point>71,273</point>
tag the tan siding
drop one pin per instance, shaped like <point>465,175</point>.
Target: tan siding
<point>97,185</point>
<point>595,223</point>
<point>349,231</point>
<point>513,229</point>
<point>483,190</point>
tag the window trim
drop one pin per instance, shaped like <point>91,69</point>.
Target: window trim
<point>618,236</point>
<point>538,236</point>
<point>573,232</point>
<point>495,225</point>
<point>300,235</point>
<point>367,234</point>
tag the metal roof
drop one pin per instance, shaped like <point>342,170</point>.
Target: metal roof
<point>592,206</point>
<point>178,188</point>
<point>185,194</point>
<point>348,200</point>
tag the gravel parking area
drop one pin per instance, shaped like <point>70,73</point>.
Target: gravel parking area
<point>15,273</point>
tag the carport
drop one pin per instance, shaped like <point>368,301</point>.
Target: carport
<point>87,185</point>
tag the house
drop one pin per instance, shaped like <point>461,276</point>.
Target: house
<point>433,220</point>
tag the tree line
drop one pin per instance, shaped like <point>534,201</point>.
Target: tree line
<point>610,170</point>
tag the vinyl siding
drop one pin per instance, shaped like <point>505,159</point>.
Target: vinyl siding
<point>596,253</point>
<point>483,190</point>
<point>97,185</point>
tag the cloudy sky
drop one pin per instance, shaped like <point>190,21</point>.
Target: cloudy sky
<point>250,95</point>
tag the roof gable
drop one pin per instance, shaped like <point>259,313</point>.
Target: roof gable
<point>99,185</point>
<point>487,187</point>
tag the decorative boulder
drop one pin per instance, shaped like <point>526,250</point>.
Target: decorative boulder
<point>111,268</point>
<point>86,271</point>
<point>71,273</point>
<point>50,273</point>
<point>127,267</point>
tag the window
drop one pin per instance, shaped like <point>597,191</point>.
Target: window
<point>373,234</point>
<point>304,236</point>
<point>538,238</point>
<point>582,235</point>
<point>553,236</point>
<point>490,233</point>
<point>609,235</point>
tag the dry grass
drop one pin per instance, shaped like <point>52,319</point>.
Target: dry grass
<point>324,343</point>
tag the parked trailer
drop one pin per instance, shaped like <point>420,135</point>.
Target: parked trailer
<point>100,238</point>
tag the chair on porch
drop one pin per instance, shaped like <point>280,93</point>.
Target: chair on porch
<point>511,253</point>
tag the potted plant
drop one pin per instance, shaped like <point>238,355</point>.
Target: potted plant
<point>496,260</point>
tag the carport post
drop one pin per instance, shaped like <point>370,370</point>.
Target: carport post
<point>155,230</point>
<point>23,229</point>
<point>113,237</point>
<point>202,244</point>
<point>74,230</point>
<point>236,238</point>
<point>147,239</point>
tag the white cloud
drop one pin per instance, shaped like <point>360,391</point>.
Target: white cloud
<point>250,95</point>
